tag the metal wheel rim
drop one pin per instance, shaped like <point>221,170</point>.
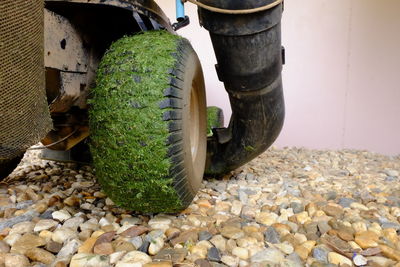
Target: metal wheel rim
<point>194,122</point>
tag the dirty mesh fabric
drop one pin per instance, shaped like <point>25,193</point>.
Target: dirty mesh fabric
<point>24,115</point>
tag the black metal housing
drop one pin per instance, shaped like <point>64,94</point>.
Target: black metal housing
<point>248,51</point>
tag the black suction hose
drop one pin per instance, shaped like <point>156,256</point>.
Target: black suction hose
<point>249,55</point>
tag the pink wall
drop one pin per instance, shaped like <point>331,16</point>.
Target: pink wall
<point>199,37</point>
<point>341,78</point>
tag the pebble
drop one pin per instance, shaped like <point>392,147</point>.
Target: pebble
<point>230,260</point>
<point>246,241</point>
<point>338,259</point>
<point>46,235</point>
<point>69,249</point>
<point>323,227</point>
<point>230,245</point>
<point>359,226</point>
<point>72,201</point>
<point>91,225</point>
<point>116,256</point>
<point>158,264</point>
<point>285,247</point>
<point>63,234</point>
<point>144,247</point>
<point>393,225</point>
<point>40,255</point>
<point>297,207</point>
<point>47,214</point>
<point>14,260</point>
<point>236,207</point>
<point>126,246</point>
<point>290,207</point>
<point>134,257</point>
<point>27,216</point>
<point>103,249</point>
<point>219,242</point>
<point>160,222</point>
<point>205,235</point>
<point>242,253</point>
<point>198,251</point>
<point>320,253</point>
<point>11,239</point>
<point>346,202</point>
<point>302,217</point>
<point>390,252</point>
<point>269,254</point>
<point>358,206</point>
<point>367,239</point>
<point>89,260</point>
<point>272,236</point>
<point>175,255</point>
<point>103,244</point>
<point>61,215</point>
<point>213,254</point>
<point>392,173</point>
<point>137,241</point>
<point>53,247</point>
<point>22,228</point>
<point>44,225</point>
<point>381,261</point>
<point>232,232</point>
<point>156,245</point>
<point>300,238</point>
<point>4,247</point>
<point>134,231</point>
<point>130,221</point>
<point>302,252</point>
<point>202,263</point>
<point>359,260</point>
<point>74,222</point>
<point>26,242</point>
<point>186,236</point>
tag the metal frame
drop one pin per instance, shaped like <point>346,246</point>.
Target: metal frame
<point>145,7</point>
<point>72,57</point>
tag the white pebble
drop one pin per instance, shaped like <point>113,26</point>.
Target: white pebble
<point>61,215</point>
<point>360,260</point>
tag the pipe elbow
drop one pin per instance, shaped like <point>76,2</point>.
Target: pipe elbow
<point>257,119</point>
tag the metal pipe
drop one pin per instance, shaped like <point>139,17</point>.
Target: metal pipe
<point>180,10</point>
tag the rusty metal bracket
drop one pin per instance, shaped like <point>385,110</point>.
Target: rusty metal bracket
<point>64,48</point>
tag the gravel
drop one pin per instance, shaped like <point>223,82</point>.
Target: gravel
<point>290,207</point>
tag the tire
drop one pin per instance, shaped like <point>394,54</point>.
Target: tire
<point>8,165</point>
<point>148,123</point>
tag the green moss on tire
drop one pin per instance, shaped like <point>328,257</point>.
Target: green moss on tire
<point>131,121</point>
<point>215,119</point>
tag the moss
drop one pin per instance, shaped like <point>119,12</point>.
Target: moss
<point>128,131</point>
<point>213,119</point>
<point>249,148</point>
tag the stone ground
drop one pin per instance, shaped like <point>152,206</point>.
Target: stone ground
<point>290,207</point>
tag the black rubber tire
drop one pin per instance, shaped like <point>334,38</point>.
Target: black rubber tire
<point>148,123</point>
<point>8,165</point>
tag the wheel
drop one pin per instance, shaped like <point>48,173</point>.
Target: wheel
<point>148,123</point>
<point>8,165</point>
<point>215,119</point>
